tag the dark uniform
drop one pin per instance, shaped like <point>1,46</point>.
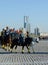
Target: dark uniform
<point>20,39</point>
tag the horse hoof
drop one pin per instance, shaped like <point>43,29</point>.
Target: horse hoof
<point>28,52</point>
<point>22,52</point>
<point>15,52</point>
<point>11,51</point>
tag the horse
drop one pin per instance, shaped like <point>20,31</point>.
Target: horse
<point>1,40</point>
<point>16,42</point>
<point>4,39</point>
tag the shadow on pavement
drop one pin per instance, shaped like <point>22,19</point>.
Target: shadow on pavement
<point>23,53</point>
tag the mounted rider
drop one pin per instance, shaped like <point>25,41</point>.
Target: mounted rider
<point>21,40</point>
<point>7,35</point>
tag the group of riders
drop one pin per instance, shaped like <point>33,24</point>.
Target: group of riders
<point>12,38</point>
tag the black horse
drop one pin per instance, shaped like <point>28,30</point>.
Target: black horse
<point>4,39</point>
<point>1,40</point>
<point>16,42</point>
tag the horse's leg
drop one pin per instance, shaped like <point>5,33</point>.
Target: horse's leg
<point>4,45</point>
<point>16,47</point>
<point>28,49</point>
<point>22,49</point>
<point>11,47</point>
<point>8,46</point>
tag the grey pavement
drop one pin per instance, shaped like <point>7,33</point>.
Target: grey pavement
<point>42,46</point>
<point>26,58</point>
<point>23,59</point>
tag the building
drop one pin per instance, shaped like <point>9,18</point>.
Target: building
<point>26,24</point>
<point>44,34</point>
<point>28,27</point>
<point>36,31</point>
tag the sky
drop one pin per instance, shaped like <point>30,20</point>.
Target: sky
<point>12,14</point>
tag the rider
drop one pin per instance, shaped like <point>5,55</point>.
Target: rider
<point>21,38</point>
<point>27,37</point>
<point>3,35</point>
<point>7,30</point>
<point>7,35</point>
<point>27,34</point>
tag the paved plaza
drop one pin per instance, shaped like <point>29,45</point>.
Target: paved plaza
<point>42,46</point>
<point>23,59</point>
<point>26,58</point>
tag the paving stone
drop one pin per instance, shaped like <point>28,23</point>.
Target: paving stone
<point>23,59</point>
<point>26,59</point>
